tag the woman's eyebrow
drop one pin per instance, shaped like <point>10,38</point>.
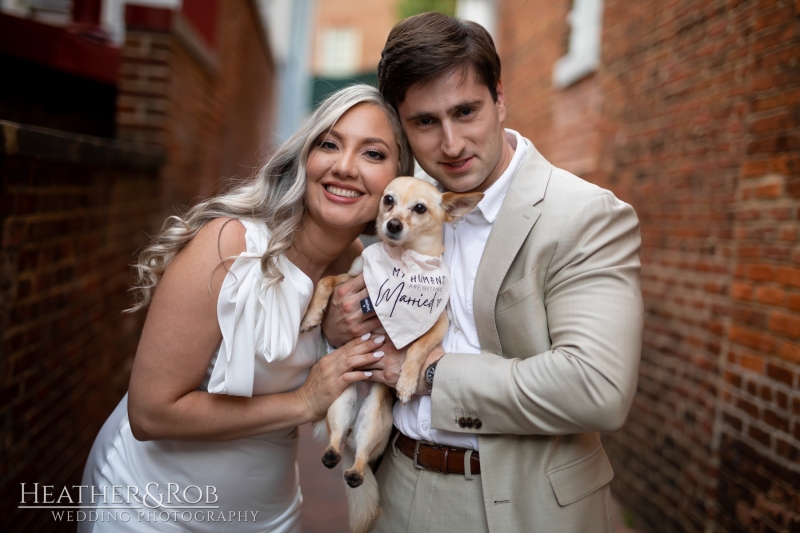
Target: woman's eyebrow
<point>373,140</point>
<point>363,140</point>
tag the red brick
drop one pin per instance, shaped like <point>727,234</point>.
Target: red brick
<point>742,291</point>
<point>752,339</point>
<point>756,364</point>
<point>781,374</point>
<point>788,275</point>
<point>785,324</point>
<point>793,301</point>
<point>770,295</point>
<point>761,272</point>
<point>789,351</point>
<point>761,436</point>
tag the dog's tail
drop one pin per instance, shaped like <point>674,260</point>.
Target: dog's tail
<point>364,502</point>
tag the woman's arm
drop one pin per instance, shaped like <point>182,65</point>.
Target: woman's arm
<point>179,338</point>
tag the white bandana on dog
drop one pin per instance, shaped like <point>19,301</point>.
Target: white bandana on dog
<point>408,290</point>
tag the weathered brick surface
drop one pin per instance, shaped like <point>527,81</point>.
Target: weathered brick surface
<point>69,232</point>
<point>214,116</point>
<point>694,118</point>
<point>73,217</point>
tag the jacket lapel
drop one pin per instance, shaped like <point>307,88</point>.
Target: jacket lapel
<point>511,227</point>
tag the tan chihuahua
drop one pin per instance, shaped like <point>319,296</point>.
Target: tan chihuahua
<point>411,215</point>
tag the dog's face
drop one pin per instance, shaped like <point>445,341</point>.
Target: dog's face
<point>412,212</point>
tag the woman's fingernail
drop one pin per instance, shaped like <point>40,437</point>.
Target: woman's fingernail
<point>368,374</point>
<point>380,339</point>
<point>365,336</point>
<point>378,354</point>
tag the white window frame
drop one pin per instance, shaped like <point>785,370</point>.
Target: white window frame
<point>583,58</point>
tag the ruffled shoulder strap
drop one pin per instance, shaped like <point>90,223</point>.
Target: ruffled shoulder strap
<point>256,320</point>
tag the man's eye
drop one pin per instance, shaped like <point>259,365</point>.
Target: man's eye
<point>419,208</point>
<point>388,200</point>
<point>466,112</point>
<point>425,121</point>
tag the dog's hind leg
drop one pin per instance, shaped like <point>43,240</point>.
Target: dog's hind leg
<point>415,358</point>
<point>372,431</point>
<point>338,422</point>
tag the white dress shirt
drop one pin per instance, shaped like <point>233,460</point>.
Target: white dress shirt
<point>464,242</point>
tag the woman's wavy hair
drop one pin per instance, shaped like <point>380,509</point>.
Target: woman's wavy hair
<point>274,195</point>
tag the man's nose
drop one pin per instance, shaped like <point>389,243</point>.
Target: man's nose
<point>452,140</point>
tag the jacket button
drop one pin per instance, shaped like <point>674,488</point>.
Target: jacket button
<point>462,422</point>
<point>477,423</point>
<point>469,422</point>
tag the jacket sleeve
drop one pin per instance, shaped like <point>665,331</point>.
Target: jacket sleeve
<point>587,380</point>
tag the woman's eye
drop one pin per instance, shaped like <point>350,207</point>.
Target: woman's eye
<point>419,208</point>
<point>388,200</point>
<point>328,145</point>
<point>376,155</point>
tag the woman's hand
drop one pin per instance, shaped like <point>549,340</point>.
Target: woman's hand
<point>334,372</point>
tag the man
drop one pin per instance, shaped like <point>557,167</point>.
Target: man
<point>545,312</point>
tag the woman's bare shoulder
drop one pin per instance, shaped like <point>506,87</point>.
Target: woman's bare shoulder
<point>225,236</point>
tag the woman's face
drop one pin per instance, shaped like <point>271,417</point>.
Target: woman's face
<point>349,167</point>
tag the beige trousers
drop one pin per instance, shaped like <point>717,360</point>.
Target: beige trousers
<point>419,501</point>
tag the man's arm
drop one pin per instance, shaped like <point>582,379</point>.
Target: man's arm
<point>587,380</point>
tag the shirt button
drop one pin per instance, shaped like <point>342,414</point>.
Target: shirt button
<point>425,426</point>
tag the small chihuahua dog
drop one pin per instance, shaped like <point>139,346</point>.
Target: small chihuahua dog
<point>411,216</point>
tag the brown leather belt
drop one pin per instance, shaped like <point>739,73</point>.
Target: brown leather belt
<point>437,457</point>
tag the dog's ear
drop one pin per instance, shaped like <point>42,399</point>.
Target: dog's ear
<point>458,204</point>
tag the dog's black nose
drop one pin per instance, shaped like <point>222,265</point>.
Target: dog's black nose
<point>394,226</point>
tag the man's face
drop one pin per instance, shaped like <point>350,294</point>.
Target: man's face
<point>455,130</point>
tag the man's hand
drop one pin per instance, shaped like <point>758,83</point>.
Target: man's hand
<point>343,319</point>
<point>387,368</point>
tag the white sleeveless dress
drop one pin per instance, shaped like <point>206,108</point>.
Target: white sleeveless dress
<point>243,485</point>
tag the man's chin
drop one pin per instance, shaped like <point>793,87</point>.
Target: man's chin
<point>461,184</point>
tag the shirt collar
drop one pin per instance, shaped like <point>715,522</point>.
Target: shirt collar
<point>493,196</point>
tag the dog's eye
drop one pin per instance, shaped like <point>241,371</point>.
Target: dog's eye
<point>419,208</point>
<point>388,200</point>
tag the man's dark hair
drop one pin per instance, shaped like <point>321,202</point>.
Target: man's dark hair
<point>424,46</point>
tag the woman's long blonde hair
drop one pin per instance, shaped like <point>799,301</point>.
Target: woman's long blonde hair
<point>275,195</point>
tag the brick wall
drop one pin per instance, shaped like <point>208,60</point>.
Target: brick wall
<point>210,107</point>
<point>693,118</point>
<point>74,210</point>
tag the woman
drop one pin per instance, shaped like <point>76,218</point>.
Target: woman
<point>206,438</point>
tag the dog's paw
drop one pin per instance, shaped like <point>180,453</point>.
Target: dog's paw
<point>331,457</point>
<point>406,387</point>
<point>353,478</point>
<point>311,321</point>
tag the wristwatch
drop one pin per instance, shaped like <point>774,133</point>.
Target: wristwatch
<point>429,375</point>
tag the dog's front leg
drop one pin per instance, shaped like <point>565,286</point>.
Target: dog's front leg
<point>319,301</point>
<point>338,422</point>
<point>372,431</point>
<point>415,358</point>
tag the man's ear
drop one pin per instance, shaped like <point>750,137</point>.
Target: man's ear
<point>501,102</point>
<point>458,204</point>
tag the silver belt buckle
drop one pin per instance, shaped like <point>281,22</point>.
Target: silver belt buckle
<point>416,452</point>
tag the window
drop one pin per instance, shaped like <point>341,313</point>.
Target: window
<point>585,21</point>
<point>339,52</point>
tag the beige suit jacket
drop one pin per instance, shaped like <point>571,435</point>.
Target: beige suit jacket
<point>558,309</point>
